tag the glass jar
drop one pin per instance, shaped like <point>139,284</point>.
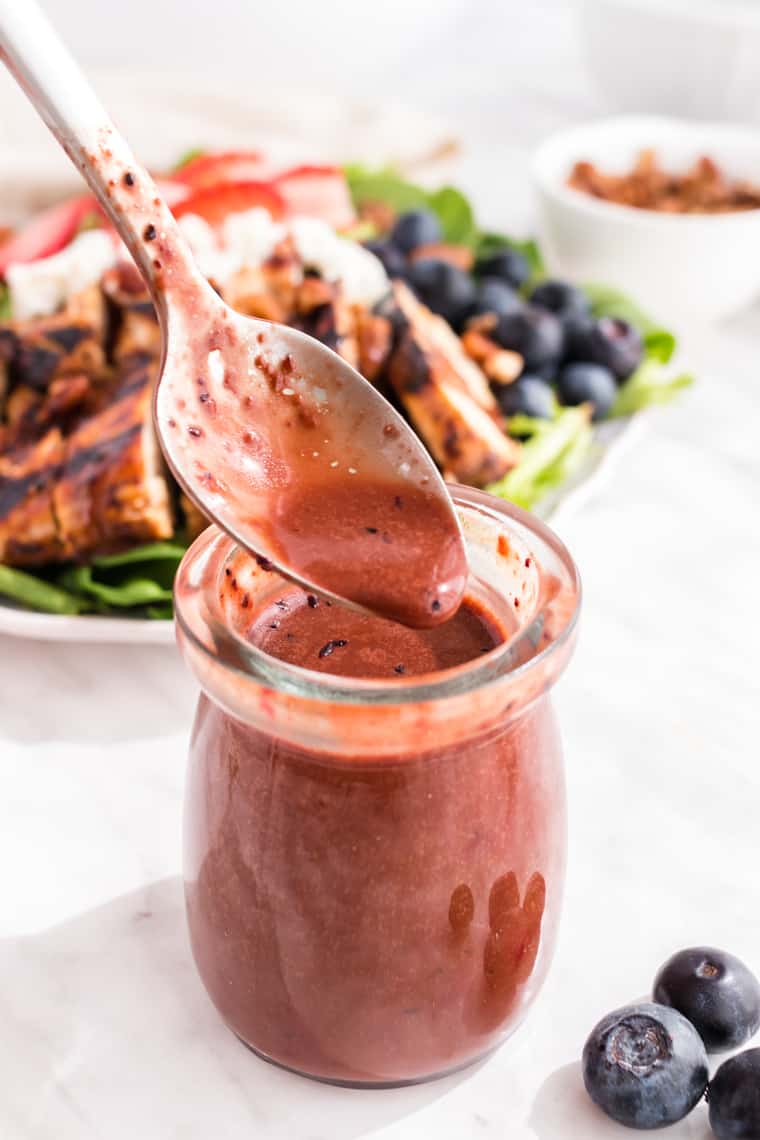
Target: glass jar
<point>374,869</point>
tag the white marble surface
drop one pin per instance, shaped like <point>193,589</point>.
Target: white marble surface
<point>105,1031</point>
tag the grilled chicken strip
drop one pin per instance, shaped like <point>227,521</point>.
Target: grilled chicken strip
<point>444,400</point>
<point>44,348</point>
<point>28,530</point>
<point>112,492</point>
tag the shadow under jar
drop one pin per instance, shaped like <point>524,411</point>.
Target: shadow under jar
<point>374,866</point>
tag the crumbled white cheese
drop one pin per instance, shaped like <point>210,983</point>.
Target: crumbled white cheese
<point>42,287</point>
<point>339,259</point>
<point>252,236</point>
<point>214,261</point>
<point>246,239</point>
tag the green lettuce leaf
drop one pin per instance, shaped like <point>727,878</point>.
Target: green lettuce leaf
<point>553,452</point>
<point>649,384</point>
<point>188,156</point>
<point>659,342</point>
<point>6,308</point>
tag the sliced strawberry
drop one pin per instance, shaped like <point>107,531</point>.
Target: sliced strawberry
<point>229,166</point>
<point>317,192</point>
<point>46,233</point>
<point>214,203</point>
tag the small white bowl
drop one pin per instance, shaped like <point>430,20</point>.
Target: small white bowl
<point>679,266</point>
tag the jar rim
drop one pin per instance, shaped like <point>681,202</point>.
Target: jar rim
<point>202,629</point>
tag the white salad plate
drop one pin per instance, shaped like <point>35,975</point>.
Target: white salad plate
<point>34,173</point>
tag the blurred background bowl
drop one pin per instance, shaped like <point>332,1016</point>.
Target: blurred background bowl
<point>702,266</point>
<point>696,58</point>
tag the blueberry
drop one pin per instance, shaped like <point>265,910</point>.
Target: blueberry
<point>561,298</point>
<point>608,341</point>
<point>587,383</point>
<point>527,396</point>
<point>534,333</point>
<point>494,296</point>
<point>718,994</point>
<point>416,227</point>
<point>507,264</point>
<point>734,1098</point>
<point>445,289</point>
<point>392,259</point>
<point>645,1066</point>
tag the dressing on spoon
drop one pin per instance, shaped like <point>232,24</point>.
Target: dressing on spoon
<point>274,436</point>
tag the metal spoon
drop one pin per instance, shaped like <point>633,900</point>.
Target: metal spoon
<point>275,438</point>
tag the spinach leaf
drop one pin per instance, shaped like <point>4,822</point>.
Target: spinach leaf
<point>39,594</point>
<point>455,214</point>
<point>489,242</point>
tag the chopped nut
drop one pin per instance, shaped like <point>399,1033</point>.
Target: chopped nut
<point>459,255</point>
<point>503,366</point>
<point>477,346</point>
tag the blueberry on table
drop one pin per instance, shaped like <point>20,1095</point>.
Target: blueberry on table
<point>587,383</point>
<point>645,1066</point>
<point>734,1098</point>
<point>507,264</point>
<point>527,396</point>
<point>416,227</point>
<point>534,333</point>
<point>391,258</point>
<point>492,295</point>
<point>716,991</point>
<point>561,298</point>
<point>608,341</point>
<point>445,289</point>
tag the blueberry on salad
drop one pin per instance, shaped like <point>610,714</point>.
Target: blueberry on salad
<point>492,295</point>
<point>445,289</point>
<point>415,228</point>
<point>734,1098</point>
<point>587,383</point>
<point>608,341</point>
<point>527,396</point>
<point>534,333</point>
<point>508,264</point>
<point>716,991</point>
<point>561,298</point>
<point>645,1066</point>
<point>391,258</point>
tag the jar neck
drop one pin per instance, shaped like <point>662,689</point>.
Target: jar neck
<point>516,562</point>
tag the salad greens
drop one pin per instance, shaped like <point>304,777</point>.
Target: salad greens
<point>457,219</point>
<point>137,582</point>
<point>554,450</point>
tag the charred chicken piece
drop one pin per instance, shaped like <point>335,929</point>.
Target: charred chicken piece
<point>136,335</point>
<point>28,529</point>
<point>447,397</point>
<point>43,348</point>
<point>112,492</point>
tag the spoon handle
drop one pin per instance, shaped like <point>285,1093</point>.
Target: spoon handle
<point>46,71</point>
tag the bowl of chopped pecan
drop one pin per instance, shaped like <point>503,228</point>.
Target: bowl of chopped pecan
<point>666,210</point>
